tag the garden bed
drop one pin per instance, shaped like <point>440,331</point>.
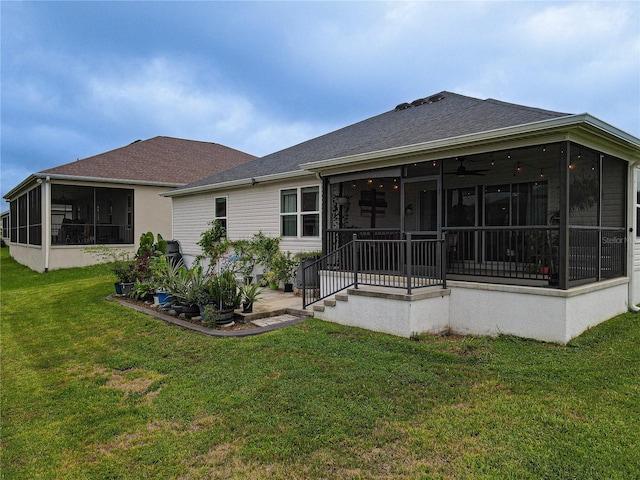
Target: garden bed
<point>241,326</point>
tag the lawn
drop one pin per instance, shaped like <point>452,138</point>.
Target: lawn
<point>91,389</point>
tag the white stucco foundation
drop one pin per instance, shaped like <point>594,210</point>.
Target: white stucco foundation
<point>467,308</point>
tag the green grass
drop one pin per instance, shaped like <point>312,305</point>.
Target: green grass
<point>91,389</point>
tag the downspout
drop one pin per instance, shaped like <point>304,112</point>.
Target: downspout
<point>631,239</point>
<point>47,221</point>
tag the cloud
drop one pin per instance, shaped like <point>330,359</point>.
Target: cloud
<point>169,97</point>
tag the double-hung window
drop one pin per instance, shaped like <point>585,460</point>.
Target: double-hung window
<point>220,210</point>
<point>638,203</point>
<point>300,212</point>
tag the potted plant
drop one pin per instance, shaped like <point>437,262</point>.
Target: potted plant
<point>249,293</point>
<point>123,267</point>
<point>246,258</point>
<point>284,265</point>
<point>213,243</point>
<point>142,290</point>
<point>222,292</point>
<point>186,288</point>
<point>127,273</point>
<point>271,278</point>
<point>213,317</point>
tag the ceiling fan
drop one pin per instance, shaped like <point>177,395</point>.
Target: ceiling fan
<point>462,171</point>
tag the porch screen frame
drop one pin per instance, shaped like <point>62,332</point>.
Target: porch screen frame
<point>83,215</point>
<point>426,178</point>
<point>25,218</point>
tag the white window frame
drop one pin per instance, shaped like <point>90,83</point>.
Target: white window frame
<point>637,202</point>
<point>224,219</point>
<point>299,214</point>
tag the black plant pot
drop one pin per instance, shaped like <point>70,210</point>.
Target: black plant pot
<point>247,307</point>
<point>126,288</point>
<point>288,287</point>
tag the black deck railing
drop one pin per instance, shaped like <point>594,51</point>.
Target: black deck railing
<point>405,264</point>
<point>524,253</point>
<point>70,233</point>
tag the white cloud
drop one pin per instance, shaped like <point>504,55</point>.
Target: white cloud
<point>169,98</point>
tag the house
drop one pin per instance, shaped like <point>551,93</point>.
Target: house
<point>449,213</point>
<point>107,199</point>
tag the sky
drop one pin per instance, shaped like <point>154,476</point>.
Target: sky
<point>82,78</point>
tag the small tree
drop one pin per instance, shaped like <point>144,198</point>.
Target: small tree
<point>213,243</point>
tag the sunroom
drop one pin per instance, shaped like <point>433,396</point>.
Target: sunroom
<point>550,216</point>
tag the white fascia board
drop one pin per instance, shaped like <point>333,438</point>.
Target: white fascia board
<point>489,136</point>
<point>42,176</point>
<point>122,181</point>
<point>237,183</point>
<point>18,188</point>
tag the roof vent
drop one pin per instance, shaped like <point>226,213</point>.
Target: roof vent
<point>418,102</point>
<point>434,98</point>
<point>403,106</point>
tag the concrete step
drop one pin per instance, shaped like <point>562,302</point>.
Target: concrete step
<point>318,308</point>
<point>342,297</point>
<point>330,302</point>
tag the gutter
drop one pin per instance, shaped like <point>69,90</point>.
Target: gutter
<point>47,222</point>
<point>236,183</point>
<point>631,240</point>
<point>43,176</point>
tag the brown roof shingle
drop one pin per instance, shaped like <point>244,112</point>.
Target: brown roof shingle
<point>158,159</point>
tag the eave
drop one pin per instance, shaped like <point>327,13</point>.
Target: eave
<point>584,127</point>
<point>34,177</point>
<point>237,183</point>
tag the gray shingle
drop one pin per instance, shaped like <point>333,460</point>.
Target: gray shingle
<point>158,159</point>
<point>452,116</point>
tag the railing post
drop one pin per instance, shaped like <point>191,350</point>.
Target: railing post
<point>304,285</point>
<point>409,263</point>
<point>354,253</point>
<point>443,259</point>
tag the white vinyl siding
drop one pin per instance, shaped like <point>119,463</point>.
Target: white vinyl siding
<point>190,218</point>
<point>250,209</point>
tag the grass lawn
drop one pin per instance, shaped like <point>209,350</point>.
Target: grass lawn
<point>91,389</point>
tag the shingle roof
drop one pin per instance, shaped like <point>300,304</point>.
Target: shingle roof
<point>441,116</point>
<point>158,159</point>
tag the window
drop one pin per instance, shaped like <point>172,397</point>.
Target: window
<point>307,214</point>
<point>637,203</point>
<point>288,211</point>
<point>310,211</point>
<point>220,210</point>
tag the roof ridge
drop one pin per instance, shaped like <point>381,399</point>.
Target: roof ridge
<point>525,107</point>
